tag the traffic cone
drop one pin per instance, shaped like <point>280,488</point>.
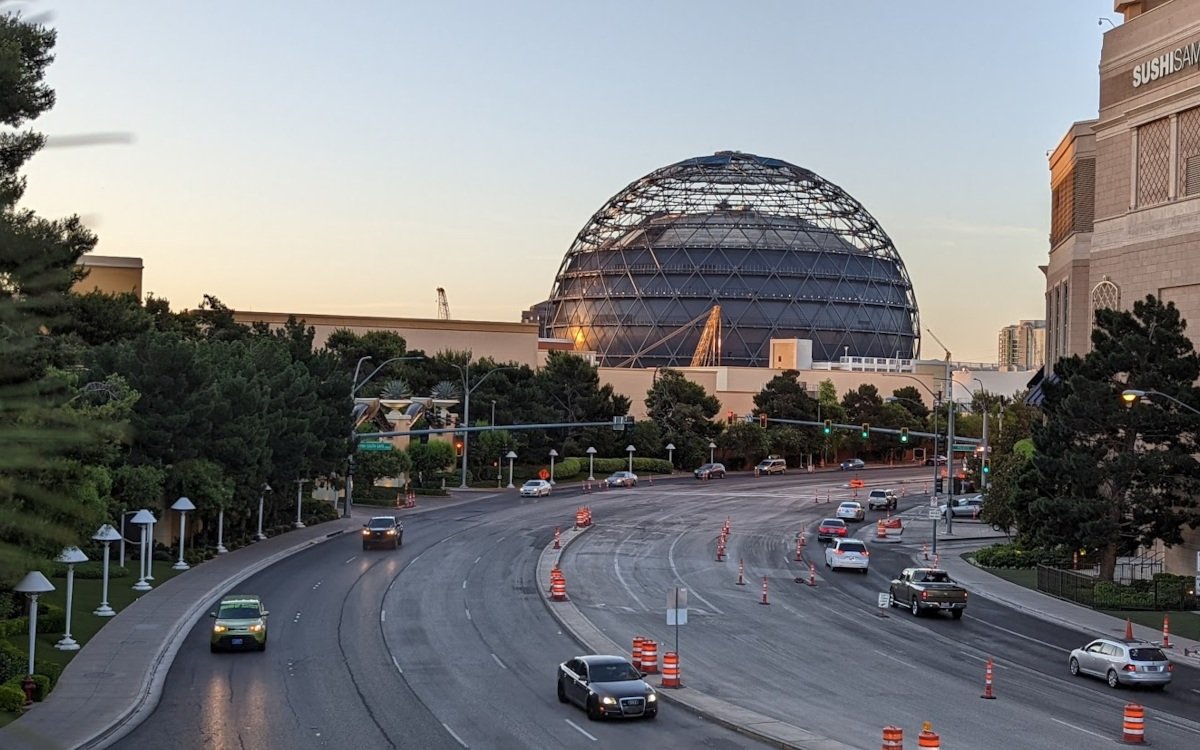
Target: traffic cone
<point>741,581</point>
<point>987,681</point>
<point>812,574</point>
<point>557,543</point>
<point>1128,629</point>
<point>1166,643</point>
<point>925,550</point>
<point>764,596</point>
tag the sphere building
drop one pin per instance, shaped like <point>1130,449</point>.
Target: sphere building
<point>784,253</point>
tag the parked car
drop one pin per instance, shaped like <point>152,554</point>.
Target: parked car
<point>851,554</point>
<point>622,479</point>
<point>935,461</point>
<point>853,464</point>
<point>383,531</point>
<point>830,528</point>
<point>771,465</point>
<point>1123,662</point>
<point>241,623</point>
<point>850,511</point>
<point>927,589</point>
<point>536,488</point>
<point>882,500</point>
<point>606,686</point>
<point>969,507</point>
<point>710,471</point>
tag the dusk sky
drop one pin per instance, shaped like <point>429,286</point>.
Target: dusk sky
<point>319,157</point>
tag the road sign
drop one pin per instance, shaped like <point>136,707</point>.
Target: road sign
<point>933,502</point>
<point>934,513</point>
<point>374,447</point>
<point>618,423</point>
<point>677,606</point>
<point>543,475</point>
<point>883,600</point>
<point>964,448</point>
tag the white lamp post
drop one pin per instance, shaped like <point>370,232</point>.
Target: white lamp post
<point>221,529</point>
<point>299,495</point>
<point>33,585</point>
<point>150,549</point>
<point>510,456</point>
<point>71,556</point>
<point>553,455</point>
<point>711,447</point>
<point>630,449</point>
<point>671,456</point>
<point>143,518</point>
<point>591,462</point>
<point>106,535</point>
<point>265,489</point>
<point>182,505</point>
<point>124,513</point>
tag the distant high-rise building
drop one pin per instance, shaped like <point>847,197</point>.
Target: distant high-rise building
<point>1023,346</point>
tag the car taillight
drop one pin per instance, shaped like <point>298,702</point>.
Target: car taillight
<point>865,553</point>
<point>964,596</point>
<point>924,594</point>
<point>838,552</point>
<point>1129,668</point>
<point>1170,667</point>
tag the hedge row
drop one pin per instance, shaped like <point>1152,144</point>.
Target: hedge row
<point>1010,555</point>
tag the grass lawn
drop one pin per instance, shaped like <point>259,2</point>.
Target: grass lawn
<point>1184,624</point>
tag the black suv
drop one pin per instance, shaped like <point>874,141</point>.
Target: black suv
<point>383,531</point>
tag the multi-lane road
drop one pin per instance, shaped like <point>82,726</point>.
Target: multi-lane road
<point>447,643</point>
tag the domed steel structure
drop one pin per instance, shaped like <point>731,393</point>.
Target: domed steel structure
<point>783,252</point>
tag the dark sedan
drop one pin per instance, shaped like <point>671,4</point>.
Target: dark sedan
<point>710,471</point>
<point>830,528</point>
<point>606,686</point>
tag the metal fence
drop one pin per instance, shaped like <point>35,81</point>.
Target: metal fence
<point>1160,593</point>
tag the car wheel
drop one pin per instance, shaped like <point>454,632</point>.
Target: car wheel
<point>956,614</point>
<point>1074,667</point>
<point>593,710</point>
<point>916,608</point>
<point>1112,680</point>
<point>562,694</point>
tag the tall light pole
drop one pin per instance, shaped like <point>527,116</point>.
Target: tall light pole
<point>300,502</point>
<point>182,506</point>
<point>355,384</point>
<point>261,493</point>
<point>511,455</point>
<point>33,585</point>
<point>984,462</point>
<point>1132,395</point>
<point>711,447</point>
<point>143,518</point>
<point>72,556</point>
<point>468,389</point>
<point>671,456</point>
<point>591,463</point>
<point>553,455</point>
<point>630,449</point>
<point>106,535</point>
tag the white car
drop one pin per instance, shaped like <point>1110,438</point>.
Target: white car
<point>850,511</point>
<point>882,500</point>
<point>851,554</point>
<point>535,488</point>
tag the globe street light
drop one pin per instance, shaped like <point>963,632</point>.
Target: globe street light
<point>591,462</point>
<point>33,585</point>
<point>71,556</point>
<point>182,506</point>
<point>106,535</point>
<point>630,449</point>
<point>299,502</point>
<point>511,455</point>
<point>671,456</point>
<point>263,491</point>
<point>553,455</point>
<point>1133,395</point>
<point>143,518</point>
<point>711,447</point>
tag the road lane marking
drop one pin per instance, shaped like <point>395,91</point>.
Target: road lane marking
<point>502,664</point>
<point>464,583</point>
<point>468,614</point>
<point>894,658</point>
<point>1081,729</point>
<point>350,560</point>
<point>296,618</point>
<point>1176,725</point>
<point>398,669</point>
<point>580,730</point>
<point>624,583</point>
<point>382,615</point>
<point>316,586</point>
<point>692,590</point>
<point>455,736</point>
<point>478,559</point>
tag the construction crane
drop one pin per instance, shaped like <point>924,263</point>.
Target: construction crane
<point>944,347</point>
<point>708,351</point>
<point>443,305</point>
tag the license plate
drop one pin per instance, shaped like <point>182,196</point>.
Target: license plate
<point>236,641</point>
<point>946,605</point>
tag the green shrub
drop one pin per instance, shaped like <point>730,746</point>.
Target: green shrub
<point>1011,555</point>
<point>12,661</point>
<point>42,688</point>
<point>51,618</point>
<point>1109,595</point>
<point>11,697</point>
<point>52,670</point>
<point>568,468</point>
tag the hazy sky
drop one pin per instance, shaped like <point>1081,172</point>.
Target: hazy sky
<point>352,157</point>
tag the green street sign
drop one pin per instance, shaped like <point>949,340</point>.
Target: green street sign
<point>964,448</point>
<point>374,447</point>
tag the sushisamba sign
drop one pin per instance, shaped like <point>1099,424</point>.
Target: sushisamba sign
<point>1165,64</point>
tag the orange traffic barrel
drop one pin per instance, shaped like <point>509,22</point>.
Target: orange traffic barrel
<point>670,672</point>
<point>880,530</point>
<point>649,657</point>
<point>893,738</point>
<point>928,737</point>
<point>1133,730</point>
<point>558,589</point>
<point>637,651</point>
<point>580,518</point>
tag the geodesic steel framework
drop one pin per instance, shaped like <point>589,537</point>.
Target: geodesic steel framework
<point>785,253</point>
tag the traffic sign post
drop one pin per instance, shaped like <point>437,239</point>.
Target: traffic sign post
<point>677,611</point>
<point>883,600</point>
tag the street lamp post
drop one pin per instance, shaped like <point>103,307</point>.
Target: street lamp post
<point>986,457</point>
<point>261,493</point>
<point>630,449</point>
<point>553,455</point>
<point>711,447</point>
<point>221,529</point>
<point>106,535</point>
<point>71,556</point>
<point>145,519</point>
<point>355,384</point>
<point>1132,395</point>
<point>468,389</point>
<point>33,585</point>
<point>300,502</point>
<point>511,455</point>
<point>182,505</point>
<point>671,455</point>
<point>591,462</point>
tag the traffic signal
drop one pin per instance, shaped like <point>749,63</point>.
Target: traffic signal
<point>458,447</point>
<point>866,430</point>
<point>762,421</point>
<point>904,434</point>
<point>729,417</point>
<point>987,469</point>
<point>828,426</point>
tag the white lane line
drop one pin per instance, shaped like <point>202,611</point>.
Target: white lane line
<point>502,664</point>
<point>464,583</point>
<point>983,659</point>
<point>1024,637</point>
<point>468,614</point>
<point>382,615</point>
<point>580,730</point>
<point>624,583</point>
<point>692,589</point>
<point>398,669</point>
<point>894,658</point>
<point>478,559</point>
<point>455,736</point>
<point>350,560</point>
<point>1081,729</point>
<point>1176,725</point>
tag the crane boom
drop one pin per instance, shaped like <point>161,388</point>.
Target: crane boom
<point>935,338</point>
<point>443,304</point>
<point>708,351</point>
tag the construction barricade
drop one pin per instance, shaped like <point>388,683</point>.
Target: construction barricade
<point>1133,731</point>
<point>649,663</point>
<point>670,670</point>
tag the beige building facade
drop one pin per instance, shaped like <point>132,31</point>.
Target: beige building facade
<point>1125,206</point>
<point>1022,346</point>
<point>110,275</point>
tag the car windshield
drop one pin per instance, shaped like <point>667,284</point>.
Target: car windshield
<point>832,522</point>
<point>381,523</point>
<point>532,483</point>
<point>853,547</point>
<point>238,612</point>
<point>613,673</point>
<point>848,506</point>
<point>1146,654</point>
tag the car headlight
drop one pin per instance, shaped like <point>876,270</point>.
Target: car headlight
<point>366,532</point>
<point>256,627</point>
<point>219,628</point>
<point>608,700</point>
<point>651,697</point>
<point>391,532</point>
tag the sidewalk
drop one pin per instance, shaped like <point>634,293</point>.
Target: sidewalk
<point>116,679</point>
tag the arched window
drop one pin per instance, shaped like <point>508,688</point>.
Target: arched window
<point>1105,295</point>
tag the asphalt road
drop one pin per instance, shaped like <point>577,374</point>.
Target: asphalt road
<point>447,644</point>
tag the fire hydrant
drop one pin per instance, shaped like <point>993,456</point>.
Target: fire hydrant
<point>28,685</point>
